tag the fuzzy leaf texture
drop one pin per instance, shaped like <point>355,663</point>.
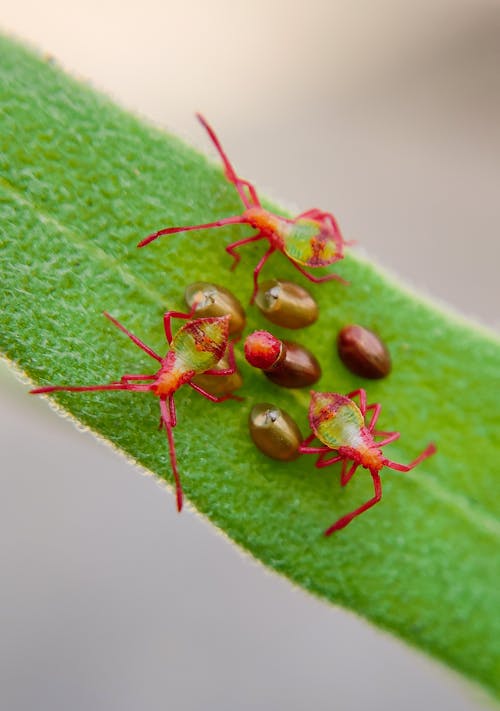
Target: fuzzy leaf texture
<point>81,182</point>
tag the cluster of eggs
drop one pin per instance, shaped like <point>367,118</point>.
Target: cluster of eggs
<point>283,362</point>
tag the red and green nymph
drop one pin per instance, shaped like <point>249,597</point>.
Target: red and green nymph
<point>195,349</point>
<point>342,426</point>
<point>312,239</point>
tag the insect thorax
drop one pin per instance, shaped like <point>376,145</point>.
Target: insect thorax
<point>172,375</point>
<point>273,226</point>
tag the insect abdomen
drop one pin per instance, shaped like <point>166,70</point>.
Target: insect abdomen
<point>336,420</point>
<point>201,343</point>
<point>310,243</point>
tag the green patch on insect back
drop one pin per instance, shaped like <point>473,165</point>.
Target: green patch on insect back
<point>201,344</point>
<point>336,420</point>
<point>306,245</point>
<point>81,183</point>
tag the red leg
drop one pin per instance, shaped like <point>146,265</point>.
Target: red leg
<point>428,451</point>
<point>321,216</point>
<point>303,449</point>
<point>343,471</point>
<point>338,237</point>
<point>392,436</point>
<point>347,475</point>
<point>90,388</point>
<point>235,245</point>
<point>133,338</point>
<point>169,315</point>
<point>165,416</point>
<point>257,270</point>
<point>362,399</point>
<point>342,522</point>
<point>127,378</point>
<point>232,363</point>
<point>237,220</point>
<point>322,462</point>
<point>376,407</point>
<point>213,398</point>
<point>171,408</point>
<point>315,279</point>
<point>230,173</point>
<point>313,214</point>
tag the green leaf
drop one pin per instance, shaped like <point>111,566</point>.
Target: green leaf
<point>81,183</point>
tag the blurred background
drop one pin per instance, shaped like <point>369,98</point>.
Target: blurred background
<point>387,113</point>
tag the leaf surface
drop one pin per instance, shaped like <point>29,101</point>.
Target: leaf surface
<point>81,182</point>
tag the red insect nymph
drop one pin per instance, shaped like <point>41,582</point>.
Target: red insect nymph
<point>312,239</point>
<point>196,348</point>
<point>341,425</point>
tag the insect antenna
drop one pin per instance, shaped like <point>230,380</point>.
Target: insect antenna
<point>237,220</point>
<point>231,174</point>
<point>133,338</point>
<point>90,388</point>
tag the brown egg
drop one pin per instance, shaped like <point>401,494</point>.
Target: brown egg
<point>216,300</point>
<point>220,384</point>
<point>285,363</point>
<point>286,304</point>
<point>363,353</point>
<point>274,432</point>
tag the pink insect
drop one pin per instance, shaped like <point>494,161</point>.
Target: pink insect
<point>195,349</point>
<point>342,426</point>
<point>312,239</point>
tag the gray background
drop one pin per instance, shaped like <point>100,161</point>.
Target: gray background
<point>386,113</point>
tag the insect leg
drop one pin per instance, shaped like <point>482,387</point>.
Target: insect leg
<point>376,407</point>
<point>428,451</point>
<point>391,437</point>
<point>337,234</point>
<point>257,269</point>
<point>214,398</point>
<point>169,315</point>
<point>254,198</point>
<point>362,399</point>
<point>235,245</point>
<point>342,522</point>
<point>232,363</point>
<point>237,220</point>
<point>304,449</point>
<point>230,173</point>
<point>173,414</point>
<point>322,462</point>
<point>128,378</point>
<point>346,476</point>
<point>133,338</point>
<point>319,215</point>
<point>313,214</point>
<point>321,279</point>
<point>165,416</point>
